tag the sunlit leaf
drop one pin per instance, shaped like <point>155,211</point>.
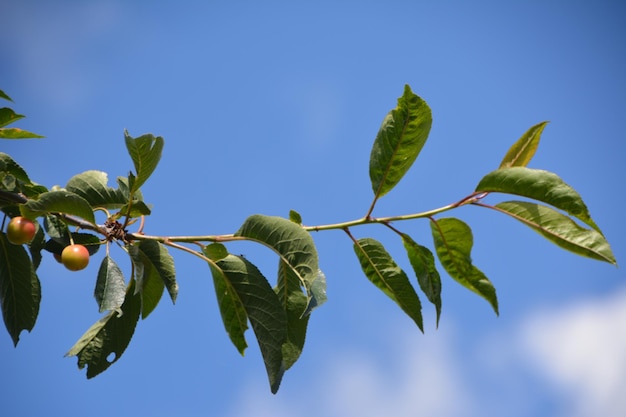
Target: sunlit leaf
<point>423,263</point>
<point>524,149</point>
<point>264,311</point>
<point>540,185</point>
<point>399,141</point>
<point>560,229</point>
<point>288,239</point>
<point>15,133</point>
<point>92,186</point>
<point>383,272</point>
<point>105,342</point>
<point>145,151</point>
<point>453,243</point>
<point>60,201</point>
<point>110,286</point>
<point>20,291</point>
<point>8,116</point>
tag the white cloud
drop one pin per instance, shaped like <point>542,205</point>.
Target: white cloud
<point>581,349</point>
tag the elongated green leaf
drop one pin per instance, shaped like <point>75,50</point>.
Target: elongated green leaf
<point>399,141</point>
<point>453,243</point>
<point>105,342</point>
<point>158,262</point>
<point>145,151</point>
<point>383,272</point>
<point>148,284</point>
<point>540,185</point>
<point>264,311</point>
<point>60,201</point>
<point>5,96</point>
<point>233,313</point>
<point>560,229</point>
<point>423,263</point>
<point>92,186</point>
<point>20,291</point>
<point>110,286</point>
<point>294,303</point>
<point>294,245</point>
<point>522,151</point>
<point>8,116</point>
<point>15,133</point>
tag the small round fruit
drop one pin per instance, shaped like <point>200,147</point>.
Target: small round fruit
<point>21,230</point>
<point>75,257</point>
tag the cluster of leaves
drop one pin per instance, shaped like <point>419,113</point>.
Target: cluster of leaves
<point>278,314</point>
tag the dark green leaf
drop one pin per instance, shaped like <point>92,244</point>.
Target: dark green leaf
<point>399,141</point>
<point>15,133</point>
<point>8,165</point>
<point>20,292</point>
<point>105,342</point>
<point>92,186</point>
<point>4,96</point>
<point>233,313</point>
<point>294,245</point>
<point>158,262</point>
<point>560,229</point>
<point>524,149</point>
<point>145,151</point>
<point>423,263</point>
<point>8,116</point>
<point>539,185</point>
<point>60,201</point>
<point>264,311</point>
<point>294,303</point>
<point>453,243</point>
<point>295,217</point>
<point>383,272</point>
<point>110,286</point>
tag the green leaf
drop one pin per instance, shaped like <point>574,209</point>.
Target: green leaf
<point>399,141</point>
<point>145,151</point>
<point>92,186</point>
<point>522,151</point>
<point>5,96</point>
<point>383,272</point>
<point>8,116</point>
<point>294,245</point>
<point>295,217</point>
<point>560,229</point>
<point>156,265</point>
<point>9,166</point>
<point>60,201</point>
<point>423,263</point>
<point>232,311</point>
<point>20,291</point>
<point>264,311</point>
<point>540,185</point>
<point>15,133</point>
<point>110,286</point>
<point>453,243</point>
<point>294,303</point>
<point>105,342</point>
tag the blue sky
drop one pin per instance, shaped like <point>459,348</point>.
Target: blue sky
<point>272,107</point>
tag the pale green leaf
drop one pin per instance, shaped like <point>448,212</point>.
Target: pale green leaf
<point>399,141</point>
<point>560,229</point>
<point>524,149</point>
<point>539,185</point>
<point>15,133</point>
<point>384,273</point>
<point>92,186</point>
<point>453,244</point>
